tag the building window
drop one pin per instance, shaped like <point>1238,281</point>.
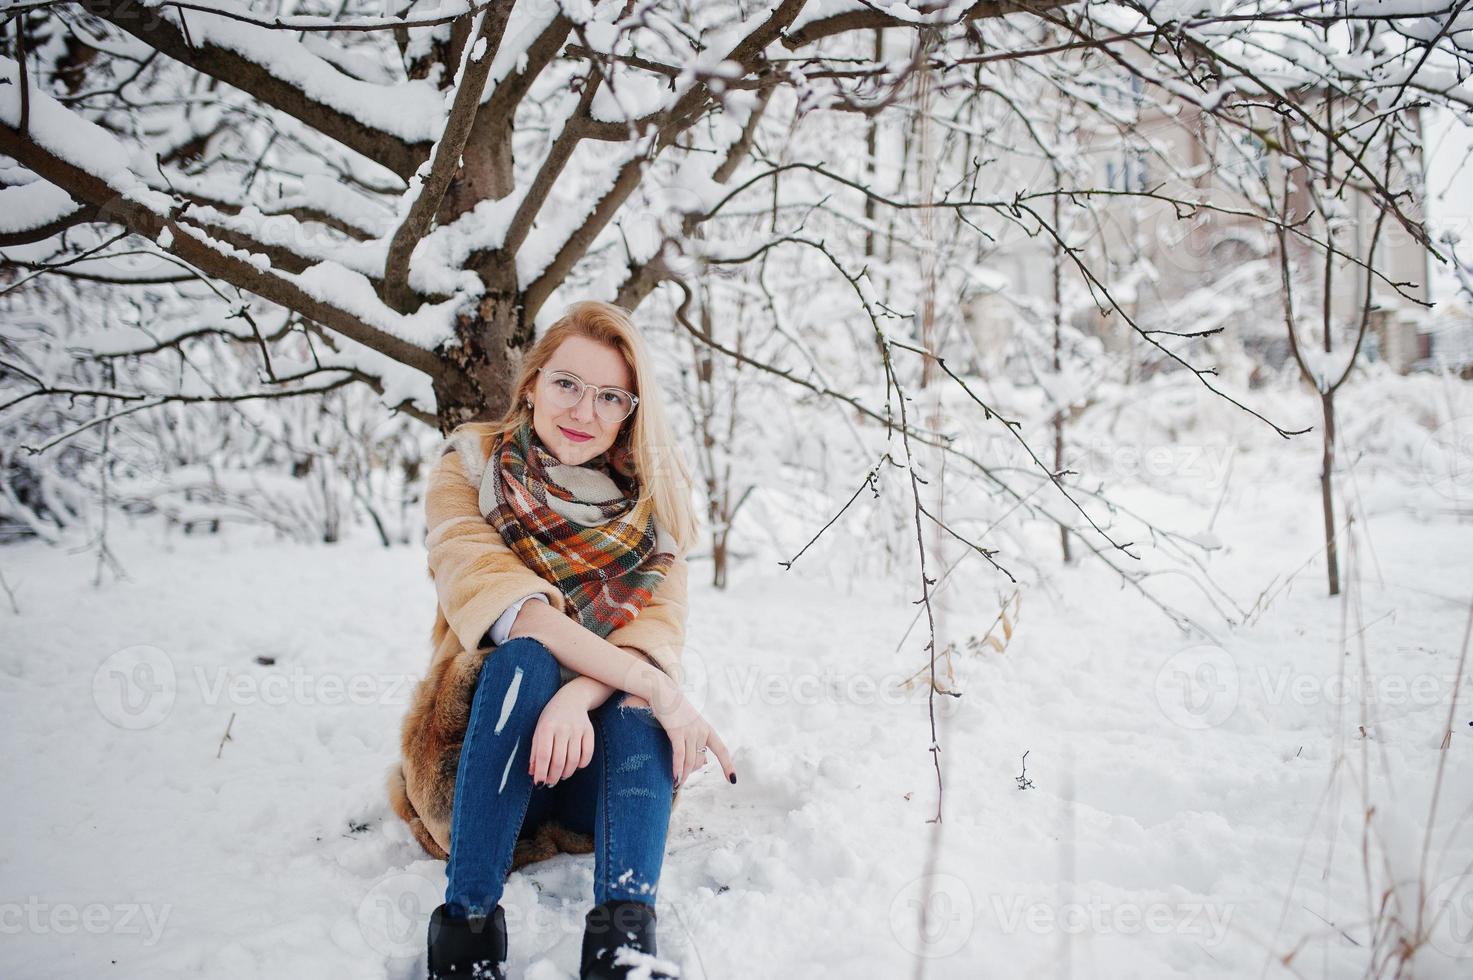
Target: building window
<point>1127,171</point>
<point>1245,156</point>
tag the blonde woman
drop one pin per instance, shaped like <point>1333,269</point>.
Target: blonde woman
<point>550,718</point>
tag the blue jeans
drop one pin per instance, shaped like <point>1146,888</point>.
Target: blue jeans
<point>622,797</point>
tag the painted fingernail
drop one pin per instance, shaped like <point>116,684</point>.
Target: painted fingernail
<point>733,778</point>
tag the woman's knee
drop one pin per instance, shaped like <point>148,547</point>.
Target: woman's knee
<point>633,727</point>
<point>526,652</point>
<point>635,714</point>
<point>523,664</point>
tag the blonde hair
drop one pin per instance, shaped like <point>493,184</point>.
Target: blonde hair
<point>646,447</point>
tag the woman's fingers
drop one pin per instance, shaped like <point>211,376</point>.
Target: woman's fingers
<point>723,755</point>
<point>537,766</point>
<point>558,754</point>
<point>687,744</point>
<point>587,755</point>
<point>693,758</point>
<point>575,752</point>
<point>694,741</point>
<point>559,759</point>
<point>542,763</point>
<point>682,750</point>
<point>677,749</point>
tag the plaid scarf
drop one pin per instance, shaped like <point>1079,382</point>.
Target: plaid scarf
<point>582,528</point>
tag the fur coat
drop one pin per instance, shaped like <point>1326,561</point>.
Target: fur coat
<point>477,577</point>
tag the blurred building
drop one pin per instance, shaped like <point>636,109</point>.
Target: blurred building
<point>1171,267</point>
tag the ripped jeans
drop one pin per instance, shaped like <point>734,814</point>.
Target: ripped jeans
<point>622,797</point>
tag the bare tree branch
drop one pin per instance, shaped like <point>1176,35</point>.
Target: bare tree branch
<point>255,79</point>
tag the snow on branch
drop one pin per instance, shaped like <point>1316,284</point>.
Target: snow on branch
<point>391,124</point>
<point>92,167</point>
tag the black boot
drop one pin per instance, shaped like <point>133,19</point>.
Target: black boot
<point>465,948</point>
<point>610,925</point>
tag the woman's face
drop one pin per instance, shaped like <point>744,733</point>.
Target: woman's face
<point>559,428</point>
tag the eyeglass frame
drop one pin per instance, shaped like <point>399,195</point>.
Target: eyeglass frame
<point>633,398</point>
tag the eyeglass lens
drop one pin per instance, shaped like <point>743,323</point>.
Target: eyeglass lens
<point>611,404</point>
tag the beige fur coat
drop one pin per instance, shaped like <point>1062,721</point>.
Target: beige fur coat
<point>477,577</point>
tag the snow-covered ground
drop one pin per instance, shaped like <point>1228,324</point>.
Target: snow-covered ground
<point>1195,808</point>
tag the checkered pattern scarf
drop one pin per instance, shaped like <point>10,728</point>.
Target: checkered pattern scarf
<point>582,528</point>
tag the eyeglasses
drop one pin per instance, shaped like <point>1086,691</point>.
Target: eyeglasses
<point>565,389</point>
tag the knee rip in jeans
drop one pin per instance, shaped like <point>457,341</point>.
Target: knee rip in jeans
<point>525,644</point>
<point>523,650</point>
<point>631,702</point>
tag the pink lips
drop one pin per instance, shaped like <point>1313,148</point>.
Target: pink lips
<point>576,437</point>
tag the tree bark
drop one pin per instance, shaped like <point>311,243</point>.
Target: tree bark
<point>488,350</point>
<point>1327,491</point>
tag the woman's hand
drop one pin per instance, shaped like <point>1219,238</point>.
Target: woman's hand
<point>563,741</point>
<point>689,734</point>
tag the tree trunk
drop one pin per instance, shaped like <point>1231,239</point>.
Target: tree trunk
<point>1327,492</point>
<point>490,344</point>
<point>872,167</point>
<point>1058,284</point>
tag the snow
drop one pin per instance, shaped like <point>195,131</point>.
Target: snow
<point>71,138</point>
<point>632,96</point>
<point>426,327</point>
<point>410,110</point>
<point>332,197</point>
<point>1177,823</point>
<point>556,225</point>
<point>212,313</point>
<point>822,9</point>
<point>1191,806</point>
<point>601,37</point>
<point>351,61</point>
<point>33,205</point>
<point>87,146</point>
<point>1325,367</point>
<point>285,16</point>
<point>526,23</point>
<point>77,141</point>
